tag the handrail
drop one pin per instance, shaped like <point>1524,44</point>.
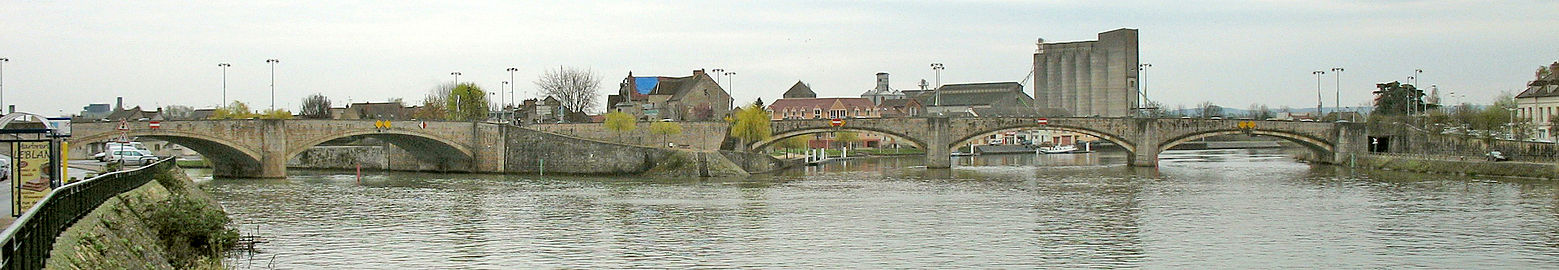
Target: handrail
<point>27,242</point>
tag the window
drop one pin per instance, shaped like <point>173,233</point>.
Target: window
<point>817,113</point>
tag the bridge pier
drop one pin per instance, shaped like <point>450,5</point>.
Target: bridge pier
<point>938,146</point>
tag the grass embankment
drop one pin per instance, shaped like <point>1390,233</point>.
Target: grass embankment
<point>166,224</point>
<point>198,163</point>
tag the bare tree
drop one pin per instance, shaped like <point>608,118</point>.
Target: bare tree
<point>575,88</point>
<point>315,106</point>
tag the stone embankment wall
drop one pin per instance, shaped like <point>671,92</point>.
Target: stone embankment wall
<point>1427,164</point>
<point>116,234</point>
<point>698,135</point>
<point>1409,140</point>
<point>532,151</point>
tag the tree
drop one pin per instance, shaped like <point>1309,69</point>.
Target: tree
<point>276,114</point>
<point>575,88</point>
<point>620,122</point>
<point>1206,109</point>
<point>846,138</point>
<point>1259,112</point>
<point>1155,110</point>
<point>794,142</point>
<point>315,106</point>
<point>235,110</point>
<point>433,103</point>
<point>1396,98</point>
<point>178,112</point>
<point>665,129</point>
<point>750,124</point>
<point>467,102</point>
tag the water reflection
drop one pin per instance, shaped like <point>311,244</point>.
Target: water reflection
<point>1226,209</point>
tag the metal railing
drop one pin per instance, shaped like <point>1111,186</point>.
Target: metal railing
<point>27,242</point>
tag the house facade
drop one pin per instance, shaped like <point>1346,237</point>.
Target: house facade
<point>823,108</point>
<point>1539,103</point>
<point>693,98</point>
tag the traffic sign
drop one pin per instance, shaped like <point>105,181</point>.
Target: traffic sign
<point>124,125</point>
<point>1042,121</point>
<point>154,124</point>
<point>836,122</point>
<point>424,124</point>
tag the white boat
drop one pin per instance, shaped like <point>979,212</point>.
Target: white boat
<point>1059,149</point>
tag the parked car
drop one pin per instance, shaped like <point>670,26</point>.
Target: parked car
<point>131,157</point>
<point>1497,156</point>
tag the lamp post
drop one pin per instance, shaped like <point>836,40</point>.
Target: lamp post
<point>938,102</point>
<point>1142,79</point>
<point>511,88</point>
<point>224,83</point>
<point>2,80</point>
<point>717,73</point>
<point>730,78</point>
<point>1337,99</point>
<point>457,78</point>
<point>1318,74</point>
<point>273,81</point>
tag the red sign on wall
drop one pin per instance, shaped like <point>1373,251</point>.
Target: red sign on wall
<point>1043,121</point>
<point>154,124</point>
<point>836,122</point>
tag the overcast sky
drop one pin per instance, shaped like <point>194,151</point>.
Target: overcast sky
<point>66,54</point>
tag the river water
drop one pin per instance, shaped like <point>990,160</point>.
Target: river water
<point>1199,209</point>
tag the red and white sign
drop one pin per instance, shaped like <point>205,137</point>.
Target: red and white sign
<point>124,125</point>
<point>424,124</point>
<point>154,124</point>
<point>1043,121</point>
<point>836,122</point>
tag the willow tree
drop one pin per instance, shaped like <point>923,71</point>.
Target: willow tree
<point>750,124</point>
<point>620,122</point>
<point>665,129</point>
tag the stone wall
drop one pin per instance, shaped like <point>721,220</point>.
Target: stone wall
<point>532,151</point>
<point>116,234</point>
<point>340,157</point>
<point>698,135</point>
<point>1471,166</point>
<point>1408,140</point>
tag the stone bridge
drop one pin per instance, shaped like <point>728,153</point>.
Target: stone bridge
<point>1144,138</point>
<point>261,148</point>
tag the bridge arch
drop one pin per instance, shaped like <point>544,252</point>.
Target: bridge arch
<point>917,142</point>
<point>1321,147</point>
<point>227,159</point>
<point>445,154</point>
<point>1118,140</point>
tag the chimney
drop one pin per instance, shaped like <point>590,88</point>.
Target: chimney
<point>882,82</point>
<point>119,103</point>
<point>697,72</point>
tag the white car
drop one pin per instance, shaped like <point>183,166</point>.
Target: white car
<point>131,157</point>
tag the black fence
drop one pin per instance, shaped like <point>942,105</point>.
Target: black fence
<point>26,244</point>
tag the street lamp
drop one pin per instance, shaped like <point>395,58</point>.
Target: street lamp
<point>1337,100</point>
<point>1142,78</point>
<point>938,103</point>
<point>2,80</point>
<point>457,78</point>
<point>501,93</point>
<point>511,78</point>
<point>273,81</point>
<point>731,86</point>
<point>224,83</point>
<point>1318,74</point>
<point>717,73</point>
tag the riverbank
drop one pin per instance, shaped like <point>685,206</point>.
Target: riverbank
<point>1457,166</point>
<point>165,224</point>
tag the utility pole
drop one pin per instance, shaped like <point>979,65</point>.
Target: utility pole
<point>2,80</point>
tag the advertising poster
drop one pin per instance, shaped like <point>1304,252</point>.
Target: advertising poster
<point>30,162</point>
